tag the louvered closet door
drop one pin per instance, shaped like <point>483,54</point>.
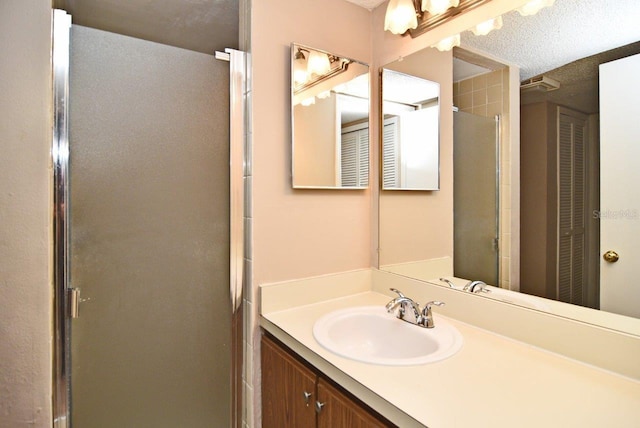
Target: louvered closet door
<point>390,158</point>
<point>572,137</point>
<point>354,160</point>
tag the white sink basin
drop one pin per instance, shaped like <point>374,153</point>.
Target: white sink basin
<point>371,335</point>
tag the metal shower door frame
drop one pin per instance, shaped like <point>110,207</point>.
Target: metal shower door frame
<point>61,396</point>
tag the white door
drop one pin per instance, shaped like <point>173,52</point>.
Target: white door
<point>620,185</point>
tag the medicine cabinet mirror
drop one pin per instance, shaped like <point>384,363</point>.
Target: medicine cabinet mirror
<point>410,137</point>
<point>330,120</point>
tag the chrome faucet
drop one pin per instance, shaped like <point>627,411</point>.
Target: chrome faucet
<point>423,318</point>
<point>445,280</point>
<point>403,301</point>
<point>476,287</point>
<point>427,316</point>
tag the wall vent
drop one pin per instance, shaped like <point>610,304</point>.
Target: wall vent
<point>540,84</point>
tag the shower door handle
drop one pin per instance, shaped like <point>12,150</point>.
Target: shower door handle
<point>73,302</point>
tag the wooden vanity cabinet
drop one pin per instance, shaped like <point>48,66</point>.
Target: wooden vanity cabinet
<point>296,395</point>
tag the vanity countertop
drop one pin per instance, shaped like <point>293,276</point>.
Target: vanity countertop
<point>493,381</point>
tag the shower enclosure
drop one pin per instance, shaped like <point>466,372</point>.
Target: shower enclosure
<point>148,217</point>
<point>476,201</point>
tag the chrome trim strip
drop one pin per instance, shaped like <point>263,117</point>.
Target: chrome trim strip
<point>60,159</point>
<point>237,82</point>
<point>237,171</point>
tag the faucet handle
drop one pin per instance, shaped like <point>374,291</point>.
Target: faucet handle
<point>398,292</point>
<point>427,306</point>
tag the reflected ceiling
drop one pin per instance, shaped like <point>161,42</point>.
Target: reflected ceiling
<point>199,25</point>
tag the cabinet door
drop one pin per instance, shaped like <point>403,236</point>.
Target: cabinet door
<point>340,411</point>
<point>285,381</point>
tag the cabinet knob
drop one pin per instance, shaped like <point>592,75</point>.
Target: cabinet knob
<point>319,406</point>
<point>306,395</point>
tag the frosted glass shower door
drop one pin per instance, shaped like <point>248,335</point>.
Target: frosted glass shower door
<point>475,182</point>
<point>149,137</point>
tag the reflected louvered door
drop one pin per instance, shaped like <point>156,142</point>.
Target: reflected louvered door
<point>390,158</point>
<point>354,158</point>
<point>571,206</point>
<point>363,157</point>
<point>349,160</point>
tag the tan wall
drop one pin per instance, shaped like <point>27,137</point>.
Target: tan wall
<point>537,175</point>
<point>299,233</point>
<point>315,133</point>
<point>25,235</point>
<point>418,225</point>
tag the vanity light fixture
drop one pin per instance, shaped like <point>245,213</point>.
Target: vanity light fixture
<point>436,7</point>
<point>484,28</point>
<point>401,15</point>
<point>308,101</point>
<point>300,75</point>
<point>448,43</point>
<point>323,95</point>
<point>318,63</point>
<point>534,7</point>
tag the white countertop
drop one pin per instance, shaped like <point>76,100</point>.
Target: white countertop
<point>492,381</point>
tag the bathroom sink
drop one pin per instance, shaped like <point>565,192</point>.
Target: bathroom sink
<point>369,334</point>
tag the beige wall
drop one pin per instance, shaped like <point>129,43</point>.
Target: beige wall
<point>537,199</point>
<point>418,225</point>
<point>315,131</point>
<point>25,234</point>
<point>299,233</point>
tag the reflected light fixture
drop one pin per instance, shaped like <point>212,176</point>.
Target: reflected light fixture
<point>484,28</point>
<point>534,6</point>
<point>401,16</point>
<point>436,7</point>
<point>448,43</point>
<point>308,101</point>
<point>318,63</point>
<point>300,75</point>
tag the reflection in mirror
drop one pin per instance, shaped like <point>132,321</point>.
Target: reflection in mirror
<point>411,111</point>
<point>330,120</point>
<point>577,134</point>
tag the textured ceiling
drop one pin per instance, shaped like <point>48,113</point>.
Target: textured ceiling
<point>567,31</point>
<point>199,25</point>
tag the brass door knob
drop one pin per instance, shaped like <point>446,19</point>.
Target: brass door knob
<point>611,256</point>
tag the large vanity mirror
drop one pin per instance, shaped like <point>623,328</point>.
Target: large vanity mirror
<point>330,120</point>
<point>551,206</point>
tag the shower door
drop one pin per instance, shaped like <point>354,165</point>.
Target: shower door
<point>149,235</point>
<point>475,181</point>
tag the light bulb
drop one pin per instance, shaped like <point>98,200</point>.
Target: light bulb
<point>400,16</point>
<point>484,28</point>
<point>318,63</point>
<point>324,94</point>
<point>534,6</point>
<point>300,75</point>
<point>436,7</point>
<point>448,43</point>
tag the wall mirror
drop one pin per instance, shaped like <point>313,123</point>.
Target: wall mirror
<point>570,131</point>
<point>330,120</point>
<point>411,130</point>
